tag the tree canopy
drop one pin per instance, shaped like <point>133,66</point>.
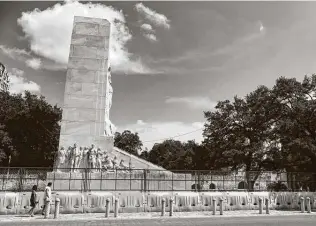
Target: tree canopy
<point>128,141</point>
<point>29,130</point>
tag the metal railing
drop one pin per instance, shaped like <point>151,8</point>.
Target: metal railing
<point>22,179</point>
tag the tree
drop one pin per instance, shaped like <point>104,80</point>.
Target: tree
<point>297,127</point>
<point>239,133</point>
<point>31,127</point>
<point>128,141</point>
<point>6,147</point>
<point>167,154</point>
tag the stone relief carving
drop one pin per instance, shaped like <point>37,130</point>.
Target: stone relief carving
<point>109,127</point>
<point>79,159</point>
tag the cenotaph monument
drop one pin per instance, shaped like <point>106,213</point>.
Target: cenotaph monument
<point>87,133</point>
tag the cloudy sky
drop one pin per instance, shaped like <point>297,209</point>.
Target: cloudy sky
<point>171,60</point>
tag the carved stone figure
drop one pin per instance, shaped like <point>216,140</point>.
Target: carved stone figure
<point>115,163</point>
<point>122,165</point>
<point>107,164</point>
<point>61,159</point>
<point>109,127</point>
<point>84,159</point>
<point>76,156</point>
<point>99,157</point>
<point>70,158</point>
<point>92,157</point>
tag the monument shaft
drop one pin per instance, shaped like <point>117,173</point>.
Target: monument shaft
<point>85,112</point>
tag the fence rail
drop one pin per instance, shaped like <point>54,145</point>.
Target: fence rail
<point>22,179</point>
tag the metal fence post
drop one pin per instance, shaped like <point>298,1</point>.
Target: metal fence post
<point>107,207</point>
<point>57,205</point>
<point>221,206</point>
<point>267,206</point>
<point>260,206</point>
<point>214,206</point>
<point>116,207</point>
<point>171,207</point>
<point>163,207</point>
<point>308,205</point>
<point>302,205</point>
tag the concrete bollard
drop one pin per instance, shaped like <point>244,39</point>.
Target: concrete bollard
<point>302,205</point>
<point>267,206</point>
<point>107,207</point>
<point>260,206</point>
<point>221,206</point>
<point>47,209</point>
<point>163,207</point>
<point>116,207</point>
<point>57,205</point>
<point>308,205</point>
<point>214,206</point>
<point>171,207</point>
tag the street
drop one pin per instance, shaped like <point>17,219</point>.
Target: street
<point>218,221</point>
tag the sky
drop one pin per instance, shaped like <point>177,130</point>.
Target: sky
<point>170,61</point>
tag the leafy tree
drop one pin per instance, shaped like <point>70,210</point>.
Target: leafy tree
<point>6,147</point>
<point>167,154</point>
<point>239,133</point>
<point>297,127</point>
<point>144,154</point>
<point>128,141</point>
<point>31,127</point>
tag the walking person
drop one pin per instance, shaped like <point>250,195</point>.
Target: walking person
<point>33,200</point>
<point>47,196</point>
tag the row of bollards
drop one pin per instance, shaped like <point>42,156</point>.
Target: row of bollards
<point>308,205</point>
<point>266,205</point>
<point>163,209</point>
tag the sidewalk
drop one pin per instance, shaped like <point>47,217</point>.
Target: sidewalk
<point>152,215</point>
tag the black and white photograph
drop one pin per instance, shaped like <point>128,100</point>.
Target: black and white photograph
<point>170,113</point>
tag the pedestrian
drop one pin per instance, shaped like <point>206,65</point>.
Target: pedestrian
<point>33,200</point>
<point>47,196</point>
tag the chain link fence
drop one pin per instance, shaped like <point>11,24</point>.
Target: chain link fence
<point>22,179</point>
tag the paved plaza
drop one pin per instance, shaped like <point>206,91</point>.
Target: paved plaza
<point>287,218</point>
<point>294,220</point>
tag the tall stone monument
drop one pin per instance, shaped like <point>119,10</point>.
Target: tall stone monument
<point>88,90</point>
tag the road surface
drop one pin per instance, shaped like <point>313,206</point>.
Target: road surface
<point>218,221</point>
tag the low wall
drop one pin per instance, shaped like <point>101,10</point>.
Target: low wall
<point>94,202</point>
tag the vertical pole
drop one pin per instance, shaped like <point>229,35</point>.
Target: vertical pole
<point>260,206</point>
<point>302,205</point>
<point>145,180</point>
<point>221,206</point>
<point>171,207</point>
<point>115,179</point>
<point>308,204</point>
<point>172,180</point>
<point>116,207</point>
<point>57,205</point>
<point>101,181</point>
<point>267,206</point>
<point>163,207</point>
<point>214,206</point>
<point>107,207</point>
<point>130,179</point>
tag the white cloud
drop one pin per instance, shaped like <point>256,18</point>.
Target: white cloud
<point>157,132</point>
<point>49,32</point>
<point>193,102</point>
<point>152,16</point>
<point>26,57</point>
<point>148,32</point>
<point>18,83</point>
<point>34,63</point>
<point>146,27</point>
<point>150,37</point>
